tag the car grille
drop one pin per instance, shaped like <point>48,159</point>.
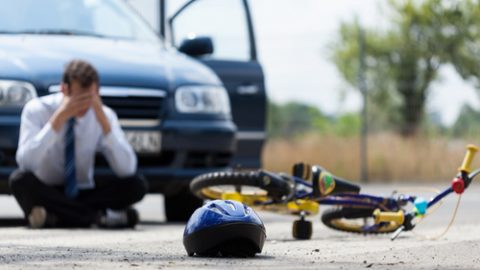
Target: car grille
<point>136,107</point>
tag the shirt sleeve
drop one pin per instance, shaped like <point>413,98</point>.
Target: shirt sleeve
<point>36,138</point>
<point>116,149</point>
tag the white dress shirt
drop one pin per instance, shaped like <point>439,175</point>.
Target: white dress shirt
<point>41,150</point>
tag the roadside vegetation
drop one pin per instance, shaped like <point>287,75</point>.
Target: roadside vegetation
<point>299,132</point>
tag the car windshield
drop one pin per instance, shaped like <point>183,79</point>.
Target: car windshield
<point>101,18</point>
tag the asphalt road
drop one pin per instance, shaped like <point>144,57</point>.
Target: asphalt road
<point>157,245</point>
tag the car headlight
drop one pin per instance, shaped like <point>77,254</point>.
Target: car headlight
<point>202,99</point>
<point>16,93</point>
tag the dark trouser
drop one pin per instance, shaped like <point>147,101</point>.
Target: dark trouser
<point>81,211</point>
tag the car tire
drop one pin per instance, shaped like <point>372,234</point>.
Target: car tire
<point>179,207</point>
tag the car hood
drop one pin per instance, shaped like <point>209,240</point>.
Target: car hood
<point>41,59</point>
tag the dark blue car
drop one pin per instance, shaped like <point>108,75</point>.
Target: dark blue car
<point>185,111</point>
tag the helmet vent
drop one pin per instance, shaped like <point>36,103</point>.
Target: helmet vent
<point>218,209</point>
<point>231,205</point>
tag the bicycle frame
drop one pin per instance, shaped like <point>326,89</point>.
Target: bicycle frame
<point>366,200</point>
<point>349,199</point>
<point>389,204</point>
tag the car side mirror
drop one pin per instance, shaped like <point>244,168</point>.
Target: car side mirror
<point>197,46</point>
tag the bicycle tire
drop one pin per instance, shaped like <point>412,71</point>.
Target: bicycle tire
<point>340,219</point>
<point>276,188</point>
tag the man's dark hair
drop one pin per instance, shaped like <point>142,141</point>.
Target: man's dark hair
<point>81,72</point>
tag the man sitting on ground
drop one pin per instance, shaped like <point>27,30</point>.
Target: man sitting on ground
<point>59,137</point>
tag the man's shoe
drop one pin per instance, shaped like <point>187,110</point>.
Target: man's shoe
<point>127,218</point>
<point>37,217</point>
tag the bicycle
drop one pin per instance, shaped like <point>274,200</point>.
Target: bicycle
<point>307,187</point>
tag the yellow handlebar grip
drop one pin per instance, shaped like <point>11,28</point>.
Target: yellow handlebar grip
<point>467,161</point>
<point>397,217</point>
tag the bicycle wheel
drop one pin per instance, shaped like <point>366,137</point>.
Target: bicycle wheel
<point>252,185</point>
<point>356,220</point>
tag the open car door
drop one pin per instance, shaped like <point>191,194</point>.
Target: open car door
<point>219,33</point>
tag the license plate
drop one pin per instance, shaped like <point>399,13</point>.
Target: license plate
<point>144,141</point>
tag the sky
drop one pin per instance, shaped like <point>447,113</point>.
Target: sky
<point>293,38</point>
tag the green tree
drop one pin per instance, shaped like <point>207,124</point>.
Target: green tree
<point>348,125</point>
<point>293,119</point>
<point>463,41</point>
<point>401,62</point>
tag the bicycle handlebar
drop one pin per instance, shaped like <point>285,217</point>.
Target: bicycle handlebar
<point>467,161</point>
<point>459,183</point>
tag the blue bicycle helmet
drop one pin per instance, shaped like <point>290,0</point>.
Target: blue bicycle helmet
<point>225,228</point>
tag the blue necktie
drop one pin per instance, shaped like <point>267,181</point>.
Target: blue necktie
<point>71,189</point>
